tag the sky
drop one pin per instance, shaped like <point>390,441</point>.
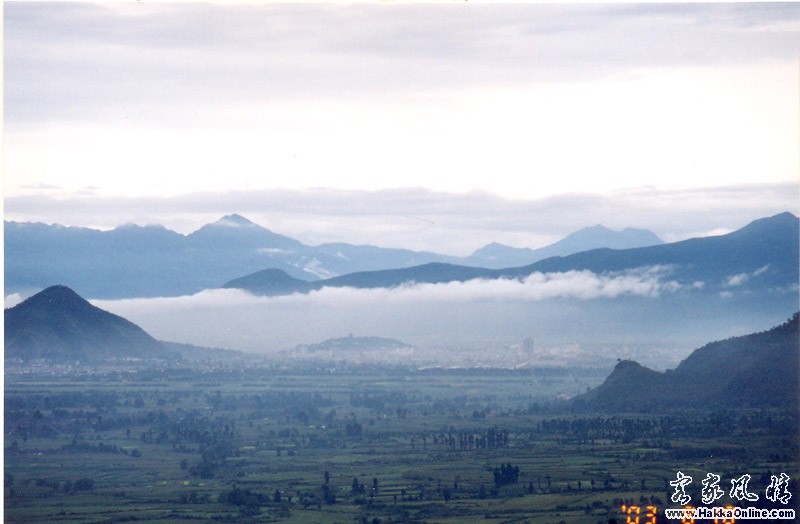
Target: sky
<point>440,127</point>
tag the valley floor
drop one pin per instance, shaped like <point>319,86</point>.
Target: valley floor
<point>364,444</point>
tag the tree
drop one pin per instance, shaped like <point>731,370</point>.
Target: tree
<point>83,484</point>
<point>446,494</point>
<point>327,495</point>
<point>506,474</point>
<point>356,487</point>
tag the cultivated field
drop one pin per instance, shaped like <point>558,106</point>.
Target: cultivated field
<point>362,444</point>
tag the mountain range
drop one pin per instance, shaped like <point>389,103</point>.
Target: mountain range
<point>760,369</point>
<point>147,261</point>
<point>759,259</point>
<point>498,256</point>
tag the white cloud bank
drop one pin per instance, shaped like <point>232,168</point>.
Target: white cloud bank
<point>742,278</point>
<point>474,312</point>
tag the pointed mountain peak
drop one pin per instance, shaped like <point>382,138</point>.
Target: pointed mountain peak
<point>596,228</point>
<point>768,225</point>
<point>58,324</point>
<point>56,297</point>
<point>235,231</point>
<point>234,220</point>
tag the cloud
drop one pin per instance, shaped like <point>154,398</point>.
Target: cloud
<point>737,280</point>
<point>430,315</point>
<point>583,285</point>
<point>742,278</point>
<point>520,100</point>
<point>168,58</point>
<point>13,299</point>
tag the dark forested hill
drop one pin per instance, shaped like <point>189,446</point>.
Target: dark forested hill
<point>756,370</point>
<point>58,325</point>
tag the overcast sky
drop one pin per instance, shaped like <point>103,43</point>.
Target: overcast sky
<point>439,127</point>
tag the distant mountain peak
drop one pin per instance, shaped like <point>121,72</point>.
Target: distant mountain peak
<point>627,235</point>
<point>498,256</point>
<point>235,230</point>
<point>765,225</point>
<point>234,220</point>
<point>356,343</point>
<point>268,282</point>
<point>596,228</point>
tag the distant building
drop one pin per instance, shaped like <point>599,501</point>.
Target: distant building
<point>527,346</point>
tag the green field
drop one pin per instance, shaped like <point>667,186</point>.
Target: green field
<point>361,444</point>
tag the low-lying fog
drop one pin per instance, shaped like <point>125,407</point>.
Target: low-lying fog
<point>580,316</point>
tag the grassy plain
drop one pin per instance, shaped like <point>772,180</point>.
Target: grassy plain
<point>360,444</point>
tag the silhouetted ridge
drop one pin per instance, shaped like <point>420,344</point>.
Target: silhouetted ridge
<point>57,324</point>
<point>756,370</point>
<point>768,225</point>
<point>762,257</point>
<point>269,282</point>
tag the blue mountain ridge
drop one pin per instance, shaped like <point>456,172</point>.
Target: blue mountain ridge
<point>762,256</point>
<point>146,261</point>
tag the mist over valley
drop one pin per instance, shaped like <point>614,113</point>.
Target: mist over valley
<point>582,308</point>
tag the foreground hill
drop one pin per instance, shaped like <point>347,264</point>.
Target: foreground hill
<point>757,370</point>
<point>58,325</point>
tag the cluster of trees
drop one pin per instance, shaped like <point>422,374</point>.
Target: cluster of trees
<point>357,488</point>
<point>300,405</point>
<point>68,486</point>
<point>505,474</point>
<point>378,401</point>
<point>492,438</point>
<point>626,429</point>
